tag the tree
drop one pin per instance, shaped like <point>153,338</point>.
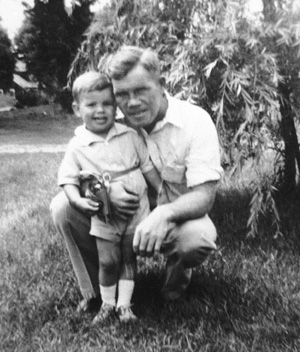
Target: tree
<point>7,61</point>
<point>244,72</point>
<point>286,45</point>
<point>49,39</point>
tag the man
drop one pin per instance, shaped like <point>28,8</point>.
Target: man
<point>183,145</point>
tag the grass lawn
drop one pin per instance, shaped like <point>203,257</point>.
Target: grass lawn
<point>246,297</point>
<point>37,129</point>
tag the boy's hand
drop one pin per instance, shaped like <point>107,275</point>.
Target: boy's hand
<point>124,202</point>
<point>87,206</point>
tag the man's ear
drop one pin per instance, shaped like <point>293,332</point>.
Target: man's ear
<point>75,107</point>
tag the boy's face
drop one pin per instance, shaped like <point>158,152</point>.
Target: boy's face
<point>97,110</point>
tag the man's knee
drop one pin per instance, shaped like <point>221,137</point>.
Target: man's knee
<point>197,233</point>
<point>63,214</point>
<point>193,241</point>
<point>58,207</point>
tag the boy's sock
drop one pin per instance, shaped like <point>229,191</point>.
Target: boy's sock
<point>108,294</point>
<point>125,291</point>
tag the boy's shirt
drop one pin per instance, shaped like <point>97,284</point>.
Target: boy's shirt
<point>121,150</point>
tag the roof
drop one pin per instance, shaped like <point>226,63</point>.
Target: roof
<point>21,82</point>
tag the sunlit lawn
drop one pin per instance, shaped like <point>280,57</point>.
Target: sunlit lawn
<point>246,297</point>
<point>37,129</point>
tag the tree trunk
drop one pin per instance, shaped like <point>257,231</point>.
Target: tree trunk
<point>292,153</point>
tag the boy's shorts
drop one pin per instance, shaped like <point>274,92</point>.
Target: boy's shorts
<point>116,228</point>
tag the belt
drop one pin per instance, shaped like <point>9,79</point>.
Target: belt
<point>107,176</point>
<point>116,174</point>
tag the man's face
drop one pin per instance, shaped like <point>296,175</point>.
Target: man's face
<point>97,110</point>
<point>139,96</point>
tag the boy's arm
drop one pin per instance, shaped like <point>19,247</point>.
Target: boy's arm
<point>68,179</point>
<point>84,205</point>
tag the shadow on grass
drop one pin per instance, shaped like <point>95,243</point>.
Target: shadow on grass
<point>231,212</point>
<point>220,305</point>
<point>208,296</point>
<point>216,304</point>
<point>230,300</point>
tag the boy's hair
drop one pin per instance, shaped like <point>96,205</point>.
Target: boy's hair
<point>128,57</point>
<point>89,82</point>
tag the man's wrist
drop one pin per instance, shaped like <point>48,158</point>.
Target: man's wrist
<point>167,212</point>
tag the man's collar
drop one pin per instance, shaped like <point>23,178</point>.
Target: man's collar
<point>172,114</point>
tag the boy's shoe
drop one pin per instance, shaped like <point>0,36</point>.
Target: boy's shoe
<point>125,314</point>
<point>88,305</point>
<point>105,313</point>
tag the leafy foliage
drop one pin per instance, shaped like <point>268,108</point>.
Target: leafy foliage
<point>7,61</point>
<point>49,39</point>
<point>215,56</point>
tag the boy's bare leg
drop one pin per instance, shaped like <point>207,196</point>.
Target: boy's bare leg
<point>109,254</point>
<point>126,282</point>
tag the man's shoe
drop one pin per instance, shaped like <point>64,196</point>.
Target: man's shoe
<point>173,296</point>
<point>126,315</point>
<point>105,313</point>
<point>177,289</point>
<point>88,305</point>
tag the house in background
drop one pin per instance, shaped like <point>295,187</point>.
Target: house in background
<point>22,84</point>
<point>20,66</point>
<point>26,90</point>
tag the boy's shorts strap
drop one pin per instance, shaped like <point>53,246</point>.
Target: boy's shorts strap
<point>116,174</point>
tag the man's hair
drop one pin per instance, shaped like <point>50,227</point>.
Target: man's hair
<point>128,57</point>
<point>89,82</point>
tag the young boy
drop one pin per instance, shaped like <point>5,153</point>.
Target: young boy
<point>103,146</point>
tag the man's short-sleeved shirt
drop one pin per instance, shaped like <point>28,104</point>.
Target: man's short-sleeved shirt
<point>188,147</point>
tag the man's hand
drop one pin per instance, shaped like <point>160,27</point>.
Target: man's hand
<point>151,232</point>
<point>124,201</point>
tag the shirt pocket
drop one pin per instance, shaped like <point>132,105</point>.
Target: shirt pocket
<point>174,173</point>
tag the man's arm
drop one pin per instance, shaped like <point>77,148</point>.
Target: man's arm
<point>124,201</point>
<point>151,232</point>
